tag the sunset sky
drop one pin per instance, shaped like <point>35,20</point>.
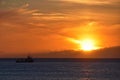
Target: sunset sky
<point>56,25</point>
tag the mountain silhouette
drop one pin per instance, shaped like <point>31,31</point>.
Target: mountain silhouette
<point>111,52</point>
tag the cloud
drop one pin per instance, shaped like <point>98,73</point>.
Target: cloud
<point>92,1</point>
<point>33,16</point>
<point>88,2</point>
<point>22,21</point>
<point>53,11</point>
<point>80,11</point>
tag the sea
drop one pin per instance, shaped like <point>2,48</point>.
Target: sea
<point>60,69</point>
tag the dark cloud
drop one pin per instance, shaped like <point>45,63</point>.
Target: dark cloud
<point>7,4</point>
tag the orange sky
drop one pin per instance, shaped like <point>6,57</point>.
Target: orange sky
<point>30,26</point>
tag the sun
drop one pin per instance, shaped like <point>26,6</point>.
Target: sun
<point>85,44</point>
<point>88,45</point>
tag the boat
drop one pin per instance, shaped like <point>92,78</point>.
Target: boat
<point>25,60</point>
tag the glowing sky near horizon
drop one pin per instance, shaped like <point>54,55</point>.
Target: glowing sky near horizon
<point>46,25</point>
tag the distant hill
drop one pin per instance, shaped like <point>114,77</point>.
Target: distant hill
<point>111,52</point>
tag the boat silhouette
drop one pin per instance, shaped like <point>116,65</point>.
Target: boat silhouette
<point>23,60</point>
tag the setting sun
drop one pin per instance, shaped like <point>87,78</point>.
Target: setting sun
<point>85,44</point>
<point>88,45</point>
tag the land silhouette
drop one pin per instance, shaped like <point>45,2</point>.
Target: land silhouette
<point>111,52</point>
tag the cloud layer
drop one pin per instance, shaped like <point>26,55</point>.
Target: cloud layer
<point>28,22</point>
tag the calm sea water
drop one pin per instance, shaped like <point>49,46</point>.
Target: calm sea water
<point>10,70</point>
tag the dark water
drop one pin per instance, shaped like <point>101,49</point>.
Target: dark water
<point>83,70</point>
